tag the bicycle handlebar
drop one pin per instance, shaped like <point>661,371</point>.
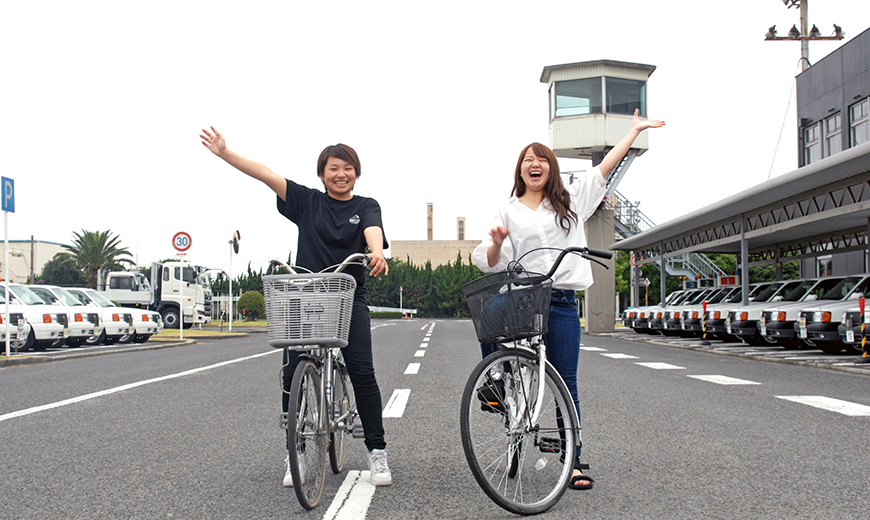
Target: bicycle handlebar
<point>354,259</point>
<point>585,252</point>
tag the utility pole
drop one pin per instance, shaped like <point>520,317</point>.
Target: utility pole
<point>803,35</point>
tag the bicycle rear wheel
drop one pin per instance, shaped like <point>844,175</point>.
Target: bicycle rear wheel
<point>342,418</point>
<point>523,468</point>
<point>307,430</point>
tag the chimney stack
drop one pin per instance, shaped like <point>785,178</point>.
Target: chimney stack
<point>428,221</point>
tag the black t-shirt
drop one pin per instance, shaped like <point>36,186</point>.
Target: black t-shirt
<point>330,230</point>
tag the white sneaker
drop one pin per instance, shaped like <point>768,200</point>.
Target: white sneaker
<point>288,475</point>
<point>380,472</point>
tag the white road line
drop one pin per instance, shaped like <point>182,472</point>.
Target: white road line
<point>829,404</point>
<point>353,497</point>
<point>619,356</point>
<point>423,345</point>
<point>413,368</point>
<point>723,380</point>
<point>420,353</point>
<point>426,338</point>
<point>110,391</point>
<point>593,349</point>
<point>661,366</point>
<point>396,405</point>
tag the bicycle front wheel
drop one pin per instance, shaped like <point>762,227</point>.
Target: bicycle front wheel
<point>307,430</point>
<point>522,467</point>
<point>342,418</point>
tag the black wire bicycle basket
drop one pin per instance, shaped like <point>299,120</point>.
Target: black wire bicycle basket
<point>508,305</point>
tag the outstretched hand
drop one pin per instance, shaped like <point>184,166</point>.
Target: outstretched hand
<point>213,140</point>
<point>642,124</point>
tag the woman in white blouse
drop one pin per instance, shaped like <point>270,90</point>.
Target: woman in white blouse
<point>542,212</point>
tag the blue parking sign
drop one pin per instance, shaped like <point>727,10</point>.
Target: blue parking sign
<point>8,195</point>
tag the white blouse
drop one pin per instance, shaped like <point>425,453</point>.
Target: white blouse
<point>530,229</point>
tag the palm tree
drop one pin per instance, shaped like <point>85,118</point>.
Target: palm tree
<point>95,250</point>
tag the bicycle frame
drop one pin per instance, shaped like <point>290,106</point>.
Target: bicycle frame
<point>536,345</point>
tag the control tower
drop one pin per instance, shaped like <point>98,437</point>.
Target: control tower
<point>592,106</point>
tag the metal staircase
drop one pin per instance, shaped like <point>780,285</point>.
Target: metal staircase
<point>629,220</point>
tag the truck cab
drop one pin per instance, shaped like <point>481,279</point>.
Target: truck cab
<point>178,288</point>
<point>130,287</point>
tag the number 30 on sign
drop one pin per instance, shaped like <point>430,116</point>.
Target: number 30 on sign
<point>181,241</point>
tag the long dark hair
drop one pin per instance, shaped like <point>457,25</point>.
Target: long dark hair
<point>554,190</point>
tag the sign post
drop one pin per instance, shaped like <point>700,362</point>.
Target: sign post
<point>181,241</point>
<point>234,244</point>
<point>8,186</point>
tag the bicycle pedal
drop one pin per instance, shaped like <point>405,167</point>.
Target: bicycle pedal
<point>550,445</point>
<point>282,421</point>
<point>358,433</point>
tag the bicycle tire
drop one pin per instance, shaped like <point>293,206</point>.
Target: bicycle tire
<point>342,404</point>
<point>524,470</point>
<point>307,434</point>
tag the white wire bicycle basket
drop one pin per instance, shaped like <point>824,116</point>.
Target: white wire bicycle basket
<point>306,311</point>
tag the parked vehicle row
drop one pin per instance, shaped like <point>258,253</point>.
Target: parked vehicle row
<point>790,313</point>
<point>48,315</point>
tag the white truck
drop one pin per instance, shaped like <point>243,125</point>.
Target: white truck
<point>175,287</point>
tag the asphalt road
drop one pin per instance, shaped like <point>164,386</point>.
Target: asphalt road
<point>192,432</point>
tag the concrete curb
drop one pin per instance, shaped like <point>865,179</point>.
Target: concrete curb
<point>32,359</point>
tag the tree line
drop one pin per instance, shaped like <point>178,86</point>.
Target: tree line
<point>435,292</point>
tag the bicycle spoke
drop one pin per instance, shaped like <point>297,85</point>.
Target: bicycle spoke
<point>521,466</point>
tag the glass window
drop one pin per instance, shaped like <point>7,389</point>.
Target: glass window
<point>825,266</point>
<point>624,96</point>
<point>812,144</point>
<point>859,122</point>
<point>577,97</point>
<point>833,138</point>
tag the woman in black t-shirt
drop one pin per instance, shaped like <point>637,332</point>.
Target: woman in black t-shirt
<point>333,225</point>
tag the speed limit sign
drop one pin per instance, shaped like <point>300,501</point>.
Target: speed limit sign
<point>181,241</point>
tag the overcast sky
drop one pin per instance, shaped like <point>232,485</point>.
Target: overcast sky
<point>103,103</point>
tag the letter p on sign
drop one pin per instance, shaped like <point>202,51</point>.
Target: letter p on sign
<point>8,195</point>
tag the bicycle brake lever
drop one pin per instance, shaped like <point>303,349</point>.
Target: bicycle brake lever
<point>597,261</point>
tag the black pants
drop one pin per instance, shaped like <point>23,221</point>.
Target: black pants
<point>360,366</point>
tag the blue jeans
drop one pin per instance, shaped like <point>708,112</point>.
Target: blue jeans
<point>563,342</point>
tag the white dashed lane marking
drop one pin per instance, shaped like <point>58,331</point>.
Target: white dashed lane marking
<point>661,366</point>
<point>396,405</point>
<point>724,380</point>
<point>829,404</point>
<point>619,356</point>
<point>413,368</point>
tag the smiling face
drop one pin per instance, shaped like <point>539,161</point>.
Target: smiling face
<point>534,170</point>
<point>339,177</point>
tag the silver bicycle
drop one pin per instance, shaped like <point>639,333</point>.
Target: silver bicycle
<point>519,426</point>
<point>311,313</point>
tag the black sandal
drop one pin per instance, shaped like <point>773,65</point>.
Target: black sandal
<point>573,483</point>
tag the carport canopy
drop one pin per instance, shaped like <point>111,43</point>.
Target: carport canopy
<point>821,208</point>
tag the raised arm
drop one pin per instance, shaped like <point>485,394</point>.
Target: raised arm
<point>618,152</point>
<point>215,142</point>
